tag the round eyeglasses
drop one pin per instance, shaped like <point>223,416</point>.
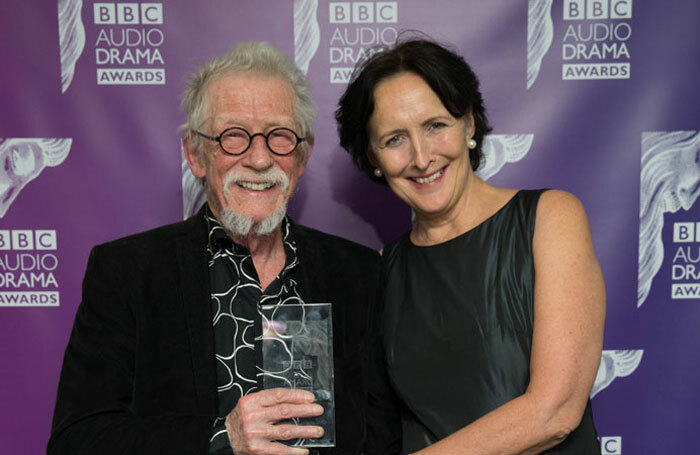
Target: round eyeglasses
<point>236,141</point>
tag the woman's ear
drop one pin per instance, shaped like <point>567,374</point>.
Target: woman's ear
<point>371,158</point>
<point>470,128</point>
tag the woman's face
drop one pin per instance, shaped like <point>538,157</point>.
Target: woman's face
<point>419,146</point>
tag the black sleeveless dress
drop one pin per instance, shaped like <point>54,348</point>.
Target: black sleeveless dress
<point>458,326</point>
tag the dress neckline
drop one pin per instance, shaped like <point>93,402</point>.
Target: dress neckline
<point>467,232</point>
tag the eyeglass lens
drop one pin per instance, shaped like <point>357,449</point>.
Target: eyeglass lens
<point>279,140</point>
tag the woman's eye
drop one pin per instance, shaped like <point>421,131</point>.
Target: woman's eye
<point>393,141</point>
<point>437,125</point>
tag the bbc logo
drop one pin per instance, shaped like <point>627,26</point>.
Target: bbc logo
<point>128,13</point>
<point>597,9</point>
<point>363,12</point>
<point>611,445</point>
<point>27,239</point>
<point>686,232</point>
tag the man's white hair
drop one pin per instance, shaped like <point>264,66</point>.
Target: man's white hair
<point>252,57</point>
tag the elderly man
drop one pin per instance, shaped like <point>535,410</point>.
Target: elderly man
<point>165,354</point>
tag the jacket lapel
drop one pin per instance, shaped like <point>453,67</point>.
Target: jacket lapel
<point>309,258</point>
<point>194,282</point>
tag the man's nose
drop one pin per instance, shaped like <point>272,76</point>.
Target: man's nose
<point>259,155</point>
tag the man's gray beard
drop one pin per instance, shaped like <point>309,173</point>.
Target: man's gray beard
<point>240,225</point>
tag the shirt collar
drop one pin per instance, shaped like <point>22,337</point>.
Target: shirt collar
<point>217,239</point>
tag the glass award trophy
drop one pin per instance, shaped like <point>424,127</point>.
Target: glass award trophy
<point>297,351</point>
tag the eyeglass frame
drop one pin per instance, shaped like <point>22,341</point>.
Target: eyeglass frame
<point>251,137</point>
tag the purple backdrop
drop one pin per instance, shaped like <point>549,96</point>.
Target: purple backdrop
<point>597,97</point>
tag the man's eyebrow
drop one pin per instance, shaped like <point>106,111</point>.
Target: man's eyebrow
<point>277,122</point>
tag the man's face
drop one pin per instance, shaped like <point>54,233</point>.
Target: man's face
<point>257,184</point>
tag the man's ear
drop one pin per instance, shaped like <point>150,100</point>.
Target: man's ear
<point>194,159</point>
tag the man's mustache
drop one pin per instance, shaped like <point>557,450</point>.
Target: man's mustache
<point>272,176</point>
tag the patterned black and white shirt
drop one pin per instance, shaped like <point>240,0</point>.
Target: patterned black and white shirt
<point>236,298</point>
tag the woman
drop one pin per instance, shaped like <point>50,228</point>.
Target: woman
<point>486,358</point>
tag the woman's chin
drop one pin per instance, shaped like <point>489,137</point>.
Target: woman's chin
<point>427,211</point>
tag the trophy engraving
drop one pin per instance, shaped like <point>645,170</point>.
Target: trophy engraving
<point>298,354</point>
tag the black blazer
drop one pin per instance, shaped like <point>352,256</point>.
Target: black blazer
<point>139,372</point>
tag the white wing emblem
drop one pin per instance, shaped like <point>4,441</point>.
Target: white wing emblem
<point>615,364</point>
<point>307,33</point>
<point>71,38</point>
<point>540,32</point>
<point>23,159</point>
<point>500,149</point>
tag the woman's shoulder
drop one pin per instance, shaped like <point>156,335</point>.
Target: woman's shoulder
<point>390,251</point>
<point>561,219</point>
<point>546,211</point>
<point>547,202</point>
<point>558,204</point>
<point>499,202</point>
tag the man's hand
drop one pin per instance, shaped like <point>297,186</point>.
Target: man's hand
<point>251,425</point>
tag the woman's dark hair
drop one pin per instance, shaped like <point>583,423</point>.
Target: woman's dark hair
<point>446,72</point>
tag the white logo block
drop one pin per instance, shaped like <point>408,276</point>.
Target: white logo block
<point>387,12</point>
<point>45,239</point>
<point>620,9</point>
<point>363,12</point>
<point>104,13</point>
<point>574,9</point>
<point>685,232</point>
<point>597,9</point>
<point>611,445</point>
<point>22,239</point>
<point>5,240</point>
<point>151,13</point>
<point>128,13</point>
<point>27,239</point>
<point>339,12</point>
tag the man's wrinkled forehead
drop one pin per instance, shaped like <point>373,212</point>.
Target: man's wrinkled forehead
<point>239,98</point>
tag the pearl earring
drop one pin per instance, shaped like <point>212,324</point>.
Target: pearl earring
<point>377,172</point>
<point>471,144</point>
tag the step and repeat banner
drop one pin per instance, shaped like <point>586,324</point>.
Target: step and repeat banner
<point>596,97</point>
